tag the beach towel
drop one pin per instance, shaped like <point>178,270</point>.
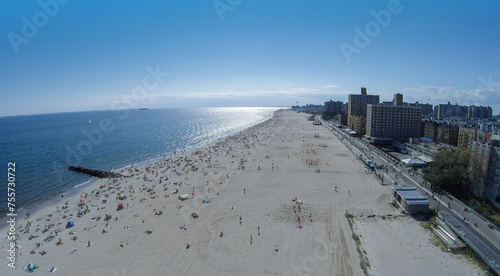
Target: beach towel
<point>51,270</point>
<point>30,267</point>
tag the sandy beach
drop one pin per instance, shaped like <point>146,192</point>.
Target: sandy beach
<point>240,215</point>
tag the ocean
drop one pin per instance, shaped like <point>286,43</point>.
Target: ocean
<point>43,146</point>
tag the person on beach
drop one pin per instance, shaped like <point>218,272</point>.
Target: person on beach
<point>258,230</point>
<point>251,239</point>
<point>221,234</point>
<point>241,220</point>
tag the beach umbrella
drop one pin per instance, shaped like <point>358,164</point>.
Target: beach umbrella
<point>207,197</point>
<point>107,217</point>
<point>82,199</point>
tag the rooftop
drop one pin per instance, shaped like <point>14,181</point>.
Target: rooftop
<point>411,194</point>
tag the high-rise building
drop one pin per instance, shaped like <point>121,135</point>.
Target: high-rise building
<point>449,110</point>
<point>398,99</point>
<point>488,155</point>
<point>427,109</point>
<point>333,108</point>
<point>480,112</point>
<point>357,107</point>
<point>397,122</point>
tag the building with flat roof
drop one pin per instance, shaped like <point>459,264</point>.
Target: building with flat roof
<point>443,132</point>
<point>468,135</point>
<point>409,200</point>
<point>449,110</point>
<point>356,107</point>
<point>358,124</point>
<point>448,133</point>
<point>488,155</point>
<point>480,112</point>
<point>333,108</point>
<point>397,122</point>
<point>427,109</point>
<point>463,111</point>
<point>430,130</point>
<point>343,119</point>
<point>398,99</point>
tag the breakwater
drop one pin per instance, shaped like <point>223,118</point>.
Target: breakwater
<point>96,173</point>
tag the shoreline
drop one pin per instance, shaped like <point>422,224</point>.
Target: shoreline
<point>240,214</point>
<point>70,191</point>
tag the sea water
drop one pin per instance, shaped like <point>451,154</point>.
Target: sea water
<point>43,146</point>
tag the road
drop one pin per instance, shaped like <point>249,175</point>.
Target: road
<point>476,229</point>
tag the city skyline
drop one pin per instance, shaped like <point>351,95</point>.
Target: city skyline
<point>63,56</point>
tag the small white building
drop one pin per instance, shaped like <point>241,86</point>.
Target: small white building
<point>409,200</point>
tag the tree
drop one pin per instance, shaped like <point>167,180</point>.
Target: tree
<point>454,171</point>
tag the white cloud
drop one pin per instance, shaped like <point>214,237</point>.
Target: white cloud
<point>329,86</point>
<point>234,93</point>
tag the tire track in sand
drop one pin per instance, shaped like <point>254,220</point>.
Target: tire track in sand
<point>338,245</point>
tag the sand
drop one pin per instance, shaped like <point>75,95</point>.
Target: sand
<point>284,158</point>
<point>400,244</point>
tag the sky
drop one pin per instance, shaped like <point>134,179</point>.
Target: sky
<point>63,56</point>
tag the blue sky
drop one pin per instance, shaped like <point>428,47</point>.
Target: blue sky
<point>93,55</point>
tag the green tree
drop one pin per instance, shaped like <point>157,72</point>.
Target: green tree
<point>454,171</point>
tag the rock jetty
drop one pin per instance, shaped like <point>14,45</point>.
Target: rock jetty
<point>96,173</point>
